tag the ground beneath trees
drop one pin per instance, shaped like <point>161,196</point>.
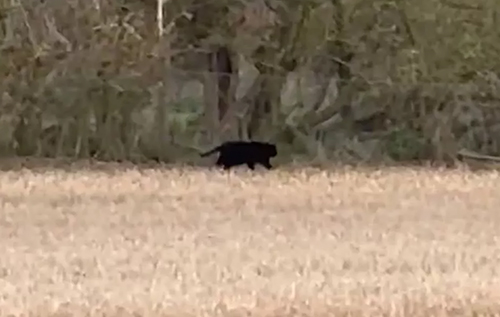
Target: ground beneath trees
<point>151,242</point>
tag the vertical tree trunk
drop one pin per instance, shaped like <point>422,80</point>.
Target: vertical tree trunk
<point>221,68</point>
<point>261,104</point>
<point>221,64</point>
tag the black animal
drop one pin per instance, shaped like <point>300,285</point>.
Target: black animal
<point>234,153</point>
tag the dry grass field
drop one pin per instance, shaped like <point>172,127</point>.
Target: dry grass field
<point>111,241</point>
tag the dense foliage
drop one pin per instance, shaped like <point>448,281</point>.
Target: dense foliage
<point>329,80</point>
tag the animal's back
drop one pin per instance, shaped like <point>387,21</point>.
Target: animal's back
<point>234,153</point>
<point>264,149</point>
<point>254,150</point>
<point>236,145</point>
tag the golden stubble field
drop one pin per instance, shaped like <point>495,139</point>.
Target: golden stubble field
<point>291,242</point>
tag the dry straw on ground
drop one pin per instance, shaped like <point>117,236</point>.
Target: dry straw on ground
<point>303,242</point>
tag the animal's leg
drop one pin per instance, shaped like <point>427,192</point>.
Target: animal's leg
<point>221,163</point>
<point>267,164</point>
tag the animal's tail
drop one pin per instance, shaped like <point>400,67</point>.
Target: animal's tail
<point>210,152</point>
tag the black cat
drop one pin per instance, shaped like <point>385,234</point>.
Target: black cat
<point>234,153</point>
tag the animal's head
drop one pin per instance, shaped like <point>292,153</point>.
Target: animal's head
<point>271,150</point>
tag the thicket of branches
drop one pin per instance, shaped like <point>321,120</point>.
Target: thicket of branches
<point>355,80</point>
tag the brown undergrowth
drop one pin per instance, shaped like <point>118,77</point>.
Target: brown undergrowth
<point>290,242</point>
